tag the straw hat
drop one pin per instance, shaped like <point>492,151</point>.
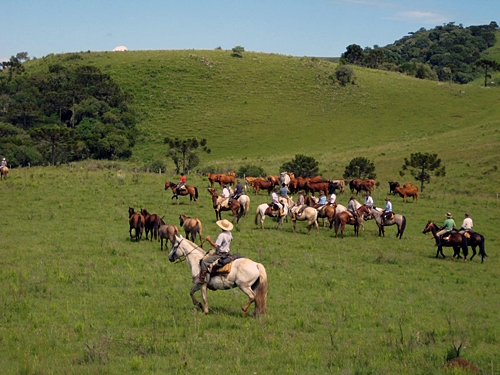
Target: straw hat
<point>448,215</point>
<point>224,224</point>
<point>387,199</point>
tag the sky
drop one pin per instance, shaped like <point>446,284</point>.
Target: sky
<point>321,28</point>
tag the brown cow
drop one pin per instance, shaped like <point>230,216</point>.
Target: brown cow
<point>314,187</point>
<point>275,180</point>
<point>362,185</point>
<point>408,184</point>
<point>260,183</point>
<point>212,177</point>
<point>224,179</point>
<point>407,192</point>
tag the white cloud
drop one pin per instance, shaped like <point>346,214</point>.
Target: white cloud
<point>422,17</point>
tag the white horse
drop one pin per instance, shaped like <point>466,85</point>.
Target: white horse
<point>245,203</point>
<point>310,214</point>
<point>265,209</point>
<point>249,276</point>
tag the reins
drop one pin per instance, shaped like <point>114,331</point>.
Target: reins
<point>183,257</point>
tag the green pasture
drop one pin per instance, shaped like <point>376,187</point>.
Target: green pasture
<point>79,297</point>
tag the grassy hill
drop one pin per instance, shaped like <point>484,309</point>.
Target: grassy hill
<point>264,108</point>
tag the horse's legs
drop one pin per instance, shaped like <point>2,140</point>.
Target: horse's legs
<point>204,295</point>
<point>473,247</point>
<point>194,289</point>
<point>251,297</point>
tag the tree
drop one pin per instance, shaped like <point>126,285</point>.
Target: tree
<point>353,55</point>
<point>360,167</point>
<point>301,165</point>
<point>53,134</point>
<point>420,165</point>
<point>183,152</point>
<point>487,65</point>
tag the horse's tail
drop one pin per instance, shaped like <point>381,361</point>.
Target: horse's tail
<point>482,252</point>
<point>156,228</point>
<point>196,192</point>
<point>261,291</point>
<point>256,216</point>
<point>198,228</point>
<point>403,226</point>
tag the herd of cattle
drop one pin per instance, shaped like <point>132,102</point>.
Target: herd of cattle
<point>311,184</point>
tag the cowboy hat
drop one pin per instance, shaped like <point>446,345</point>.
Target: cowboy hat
<point>387,199</point>
<point>224,224</point>
<point>448,215</point>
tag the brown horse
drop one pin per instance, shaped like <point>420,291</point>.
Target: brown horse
<point>236,208</point>
<point>192,227</point>
<point>167,233</point>
<point>190,190</point>
<point>475,240</point>
<point>151,223</point>
<point>324,211</point>
<point>356,219</point>
<point>453,239</point>
<point>136,222</point>
<point>4,171</point>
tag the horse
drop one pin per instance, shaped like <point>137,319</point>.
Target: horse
<point>192,227</point>
<point>4,171</point>
<point>397,219</point>
<point>266,209</point>
<point>245,203</point>
<point>236,208</point>
<point>310,214</point>
<point>356,219</point>
<point>151,223</point>
<point>454,239</point>
<point>136,222</point>
<point>249,276</point>
<point>167,233</point>
<point>190,190</point>
<point>325,211</point>
<point>475,240</point>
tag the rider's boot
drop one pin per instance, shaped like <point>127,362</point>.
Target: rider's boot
<point>201,278</point>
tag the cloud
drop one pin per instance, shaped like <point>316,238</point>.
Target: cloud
<point>421,17</point>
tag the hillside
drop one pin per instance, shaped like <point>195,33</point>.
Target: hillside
<point>265,108</point>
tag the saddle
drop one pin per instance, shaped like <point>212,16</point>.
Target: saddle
<point>389,216</point>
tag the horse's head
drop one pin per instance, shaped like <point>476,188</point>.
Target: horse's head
<point>169,184</point>
<point>131,211</point>
<point>144,212</point>
<point>212,192</point>
<point>176,251</point>
<point>161,221</point>
<point>428,227</point>
<point>182,218</point>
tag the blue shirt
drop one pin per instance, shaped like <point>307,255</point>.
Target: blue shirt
<point>388,206</point>
<point>322,199</point>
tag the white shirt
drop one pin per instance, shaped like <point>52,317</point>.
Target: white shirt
<point>467,223</point>
<point>225,193</point>
<point>274,197</point>
<point>332,199</point>
<point>369,201</point>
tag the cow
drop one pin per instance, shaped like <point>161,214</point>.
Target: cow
<point>314,187</point>
<point>224,179</point>
<point>340,184</point>
<point>362,185</point>
<point>261,183</point>
<point>275,180</point>
<point>407,192</point>
<point>393,185</point>
<point>212,177</point>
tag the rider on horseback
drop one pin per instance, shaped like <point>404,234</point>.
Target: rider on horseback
<point>448,225</point>
<point>386,214</point>
<point>221,246</point>
<point>275,201</point>
<point>181,184</point>
<point>238,190</point>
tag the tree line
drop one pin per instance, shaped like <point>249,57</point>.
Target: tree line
<point>447,53</point>
<point>63,114</point>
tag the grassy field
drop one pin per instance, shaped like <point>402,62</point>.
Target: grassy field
<point>79,297</point>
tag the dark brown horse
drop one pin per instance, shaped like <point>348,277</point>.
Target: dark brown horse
<point>167,233</point>
<point>151,223</point>
<point>190,190</point>
<point>236,208</point>
<point>192,226</point>
<point>453,239</point>
<point>355,219</point>
<point>475,240</point>
<point>136,222</point>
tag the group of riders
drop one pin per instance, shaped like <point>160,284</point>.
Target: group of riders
<point>278,198</point>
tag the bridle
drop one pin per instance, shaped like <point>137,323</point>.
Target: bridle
<point>183,257</point>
